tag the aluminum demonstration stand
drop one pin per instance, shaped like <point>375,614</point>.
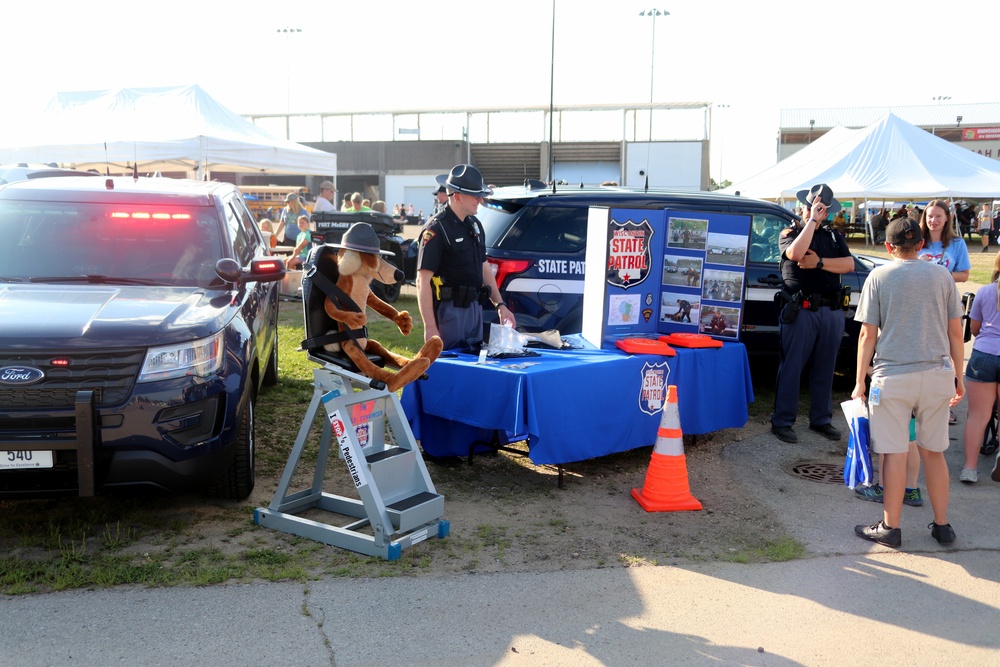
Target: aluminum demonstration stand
<point>398,503</point>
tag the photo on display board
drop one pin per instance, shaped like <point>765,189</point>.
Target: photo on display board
<point>687,233</point>
<point>681,271</point>
<point>726,249</point>
<point>721,321</point>
<point>624,309</point>
<point>719,285</point>
<point>680,308</point>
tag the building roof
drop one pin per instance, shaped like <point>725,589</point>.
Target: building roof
<point>928,115</point>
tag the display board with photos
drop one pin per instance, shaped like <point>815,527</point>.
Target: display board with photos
<point>666,272</point>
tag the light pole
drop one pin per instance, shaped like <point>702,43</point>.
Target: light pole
<point>939,99</point>
<point>552,93</point>
<point>722,145</point>
<point>288,66</point>
<point>652,61</point>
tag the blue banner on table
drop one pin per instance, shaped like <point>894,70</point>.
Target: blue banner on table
<point>573,405</point>
<point>674,272</point>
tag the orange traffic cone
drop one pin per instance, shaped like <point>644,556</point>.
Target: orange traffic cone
<point>666,488</point>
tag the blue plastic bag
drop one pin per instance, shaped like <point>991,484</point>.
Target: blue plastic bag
<point>858,462</point>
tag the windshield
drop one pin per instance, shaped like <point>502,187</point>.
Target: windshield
<point>130,244</point>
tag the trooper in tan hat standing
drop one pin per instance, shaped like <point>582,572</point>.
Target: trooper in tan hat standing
<point>324,202</point>
<point>811,324</point>
<point>454,280</point>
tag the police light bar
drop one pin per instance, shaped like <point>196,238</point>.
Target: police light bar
<point>148,215</point>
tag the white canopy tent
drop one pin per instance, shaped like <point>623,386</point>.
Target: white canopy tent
<point>154,129</point>
<point>889,159</point>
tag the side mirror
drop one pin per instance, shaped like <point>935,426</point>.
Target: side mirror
<point>262,269</point>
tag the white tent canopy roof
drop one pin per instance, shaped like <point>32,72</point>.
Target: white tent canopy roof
<point>889,159</point>
<point>158,129</point>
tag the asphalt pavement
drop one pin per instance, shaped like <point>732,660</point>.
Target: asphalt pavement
<point>850,601</point>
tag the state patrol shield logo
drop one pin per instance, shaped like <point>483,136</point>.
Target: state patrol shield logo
<point>629,257</point>
<point>653,390</point>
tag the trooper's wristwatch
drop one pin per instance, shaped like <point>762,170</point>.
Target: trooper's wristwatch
<point>819,264</point>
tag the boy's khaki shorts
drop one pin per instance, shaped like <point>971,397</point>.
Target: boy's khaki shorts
<point>925,395</point>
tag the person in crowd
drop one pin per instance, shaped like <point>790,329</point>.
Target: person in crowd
<point>813,256</point>
<point>985,219</point>
<point>324,202</point>
<point>267,226</point>
<point>346,205</point>
<point>917,370</point>
<point>379,206</point>
<point>303,244</point>
<point>942,246</point>
<point>358,203</point>
<point>982,374</point>
<point>366,204</point>
<point>287,231</point>
<point>840,222</point>
<point>440,200</point>
<point>453,276</point>
<point>879,222</point>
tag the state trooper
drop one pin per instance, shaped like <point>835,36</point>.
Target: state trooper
<point>811,324</point>
<point>454,280</point>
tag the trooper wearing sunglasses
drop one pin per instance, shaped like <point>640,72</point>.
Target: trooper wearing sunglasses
<point>454,280</point>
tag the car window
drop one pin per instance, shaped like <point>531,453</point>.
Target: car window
<point>551,229</point>
<point>250,229</point>
<point>242,247</point>
<point>174,244</point>
<point>764,237</point>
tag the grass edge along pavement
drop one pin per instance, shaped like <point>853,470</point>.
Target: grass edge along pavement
<point>62,544</point>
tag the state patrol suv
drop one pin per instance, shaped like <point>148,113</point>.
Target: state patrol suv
<point>536,244</point>
<point>138,319</point>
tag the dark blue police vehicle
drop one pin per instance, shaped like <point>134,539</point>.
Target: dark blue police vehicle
<point>138,320</point>
<point>536,242</point>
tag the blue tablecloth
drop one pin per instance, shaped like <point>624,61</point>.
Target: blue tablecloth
<point>573,405</point>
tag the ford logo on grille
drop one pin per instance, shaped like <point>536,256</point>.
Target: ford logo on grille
<point>20,375</point>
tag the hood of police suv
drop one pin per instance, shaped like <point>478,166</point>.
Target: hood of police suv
<point>78,316</point>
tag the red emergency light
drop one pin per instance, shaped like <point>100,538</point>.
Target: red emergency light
<point>148,215</point>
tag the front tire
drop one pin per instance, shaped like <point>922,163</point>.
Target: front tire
<point>238,481</point>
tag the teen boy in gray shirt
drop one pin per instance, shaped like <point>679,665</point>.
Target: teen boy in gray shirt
<point>911,320</point>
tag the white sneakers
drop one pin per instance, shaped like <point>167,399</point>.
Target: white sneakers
<point>969,476</point>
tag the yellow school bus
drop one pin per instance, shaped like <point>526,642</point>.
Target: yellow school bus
<point>266,201</point>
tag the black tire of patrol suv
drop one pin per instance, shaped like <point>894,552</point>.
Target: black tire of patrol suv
<point>237,482</point>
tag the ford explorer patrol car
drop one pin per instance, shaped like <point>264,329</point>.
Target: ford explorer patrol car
<point>138,320</point>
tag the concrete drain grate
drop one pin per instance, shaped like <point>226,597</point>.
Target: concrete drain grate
<point>814,471</point>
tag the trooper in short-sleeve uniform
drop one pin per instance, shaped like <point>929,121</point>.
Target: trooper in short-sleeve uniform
<point>453,278</point>
<point>811,327</point>
<point>455,251</point>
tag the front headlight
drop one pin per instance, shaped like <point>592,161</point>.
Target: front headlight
<point>201,357</point>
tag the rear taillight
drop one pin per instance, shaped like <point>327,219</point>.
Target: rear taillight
<point>506,267</point>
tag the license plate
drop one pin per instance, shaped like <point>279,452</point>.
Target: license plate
<point>16,460</point>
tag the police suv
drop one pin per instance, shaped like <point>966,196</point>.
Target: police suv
<point>138,320</point>
<point>536,244</point>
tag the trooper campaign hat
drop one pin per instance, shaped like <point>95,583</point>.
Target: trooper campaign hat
<point>466,179</point>
<point>825,194</point>
<point>361,237</point>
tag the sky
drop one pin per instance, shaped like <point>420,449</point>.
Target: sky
<point>755,58</point>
